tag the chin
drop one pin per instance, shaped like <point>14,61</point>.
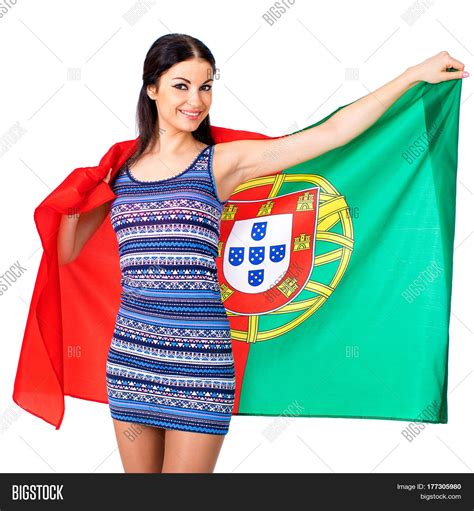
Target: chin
<point>188,126</point>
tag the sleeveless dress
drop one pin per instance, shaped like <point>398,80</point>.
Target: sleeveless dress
<point>170,362</point>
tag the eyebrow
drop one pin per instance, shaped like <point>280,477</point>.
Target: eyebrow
<point>186,80</point>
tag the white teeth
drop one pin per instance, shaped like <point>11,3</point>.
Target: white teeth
<point>190,114</point>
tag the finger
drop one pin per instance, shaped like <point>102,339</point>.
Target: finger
<point>456,64</point>
<point>453,75</point>
<point>107,177</point>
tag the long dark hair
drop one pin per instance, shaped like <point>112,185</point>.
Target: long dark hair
<point>166,51</point>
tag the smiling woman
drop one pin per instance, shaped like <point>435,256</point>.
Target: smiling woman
<point>186,94</point>
<point>170,363</point>
<point>178,73</point>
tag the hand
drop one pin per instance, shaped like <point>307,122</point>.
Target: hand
<point>107,177</point>
<point>434,69</point>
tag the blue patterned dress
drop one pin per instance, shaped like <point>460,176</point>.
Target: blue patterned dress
<point>170,362</point>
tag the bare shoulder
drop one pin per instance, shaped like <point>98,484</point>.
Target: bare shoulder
<point>225,167</point>
<point>229,158</point>
<point>224,159</point>
<point>233,158</point>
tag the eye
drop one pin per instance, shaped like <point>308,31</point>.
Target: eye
<point>178,86</point>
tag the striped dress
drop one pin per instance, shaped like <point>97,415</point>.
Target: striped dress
<point>170,362</point>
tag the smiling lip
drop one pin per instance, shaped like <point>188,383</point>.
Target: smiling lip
<point>191,114</point>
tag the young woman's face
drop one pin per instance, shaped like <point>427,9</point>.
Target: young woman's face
<point>184,95</point>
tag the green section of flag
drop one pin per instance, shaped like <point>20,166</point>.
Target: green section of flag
<point>378,347</point>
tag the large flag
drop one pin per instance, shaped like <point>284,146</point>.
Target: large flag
<point>336,275</point>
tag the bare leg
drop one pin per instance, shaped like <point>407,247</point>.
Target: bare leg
<point>191,452</point>
<point>141,447</point>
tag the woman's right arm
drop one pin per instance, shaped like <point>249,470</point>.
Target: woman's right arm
<point>76,229</point>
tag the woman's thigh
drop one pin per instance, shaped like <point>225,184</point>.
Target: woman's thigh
<point>191,452</point>
<point>141,447</point>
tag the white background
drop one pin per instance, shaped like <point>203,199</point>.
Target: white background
<point>271,77</point>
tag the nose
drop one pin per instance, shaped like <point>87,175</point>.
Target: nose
<point>195,104</point>
<point>194,101</point>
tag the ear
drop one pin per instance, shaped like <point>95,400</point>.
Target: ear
<point>151,91</point>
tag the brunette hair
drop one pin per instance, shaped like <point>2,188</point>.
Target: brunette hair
<point>166,51</point>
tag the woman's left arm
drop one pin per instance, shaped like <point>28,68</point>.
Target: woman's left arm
<point>254,158</point>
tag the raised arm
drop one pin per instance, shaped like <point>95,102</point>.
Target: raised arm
<point>247,159</point>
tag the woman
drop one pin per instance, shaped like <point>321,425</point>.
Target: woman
<point>170,370</point>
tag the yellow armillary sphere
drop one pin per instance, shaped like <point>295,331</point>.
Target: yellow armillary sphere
<point>276,253</point>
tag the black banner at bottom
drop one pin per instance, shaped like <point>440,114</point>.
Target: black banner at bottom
<point>248,490</point>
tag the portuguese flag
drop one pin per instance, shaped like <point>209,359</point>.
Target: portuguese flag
<point>336,276</point>
<point>337,272</point>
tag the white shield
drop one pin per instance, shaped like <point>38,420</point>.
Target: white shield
<point>257,252</point>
